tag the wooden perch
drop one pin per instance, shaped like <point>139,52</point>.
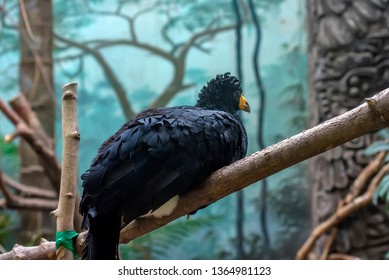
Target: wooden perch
<point>368,117</point>
<point>70,138</point>
<point>44,251</point>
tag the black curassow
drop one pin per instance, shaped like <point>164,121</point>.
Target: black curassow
<point>157,156</point>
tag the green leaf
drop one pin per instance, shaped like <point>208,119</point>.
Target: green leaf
<point>7,149</point>
<point>382,192</point>
<point>285,46</point>
<point>376,148</point>
<point>383,133</point>
<point>160,243</point>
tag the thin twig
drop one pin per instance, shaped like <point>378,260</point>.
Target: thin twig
<point>39,64</point>
<point>329,242</point>
<point>356,188</point>
<point>339,256</point>
<point>120,92</point>
<point>16,202</point>
<point>29,191</point>
<point>342,213</point>
<point>360,182</point>
<point>26,20</point>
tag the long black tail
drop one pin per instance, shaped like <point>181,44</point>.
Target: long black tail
<point>102,239</point>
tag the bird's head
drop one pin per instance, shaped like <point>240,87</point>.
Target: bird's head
<point>223,93</point>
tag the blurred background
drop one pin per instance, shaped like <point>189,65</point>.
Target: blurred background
<point>129,55</point>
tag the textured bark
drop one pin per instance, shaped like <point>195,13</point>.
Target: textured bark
<point>70,139</point>
<point>36,83</point>
<point>44,251</point>
<point>348,44</point>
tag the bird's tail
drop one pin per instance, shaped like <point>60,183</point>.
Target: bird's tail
<point>102,240</point>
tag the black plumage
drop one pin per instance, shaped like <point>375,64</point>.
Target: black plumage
<point>157,155</point>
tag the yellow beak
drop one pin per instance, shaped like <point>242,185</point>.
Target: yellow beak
<point>244,105</point>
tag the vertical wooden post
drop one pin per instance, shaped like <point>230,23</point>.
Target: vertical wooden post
<point>70,139</point>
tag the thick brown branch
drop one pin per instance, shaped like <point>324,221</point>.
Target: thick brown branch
<point>44,251</point>
<point>10,114</point>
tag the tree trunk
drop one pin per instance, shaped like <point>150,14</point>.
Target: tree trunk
<point>348,43</point>
<point>36,82</point>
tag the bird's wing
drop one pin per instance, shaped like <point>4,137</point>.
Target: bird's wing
<point>158,156</point>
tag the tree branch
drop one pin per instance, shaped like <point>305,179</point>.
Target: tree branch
<point>339,256</point>
<point>22,107</point>
<point>46,154</point>
<point>176,84</point>
<point>323,137</point>
<point>342,213</point>
<point>44,251</point>
<point>137,44</point>
<point>29,191</point>
<point>70,138</point>
<point>360,182</point>
<point>207,32</point>
<point>116,85</point>
<point>16,202</point>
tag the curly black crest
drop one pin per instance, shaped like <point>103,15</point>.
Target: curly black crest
<point>221,93</point>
